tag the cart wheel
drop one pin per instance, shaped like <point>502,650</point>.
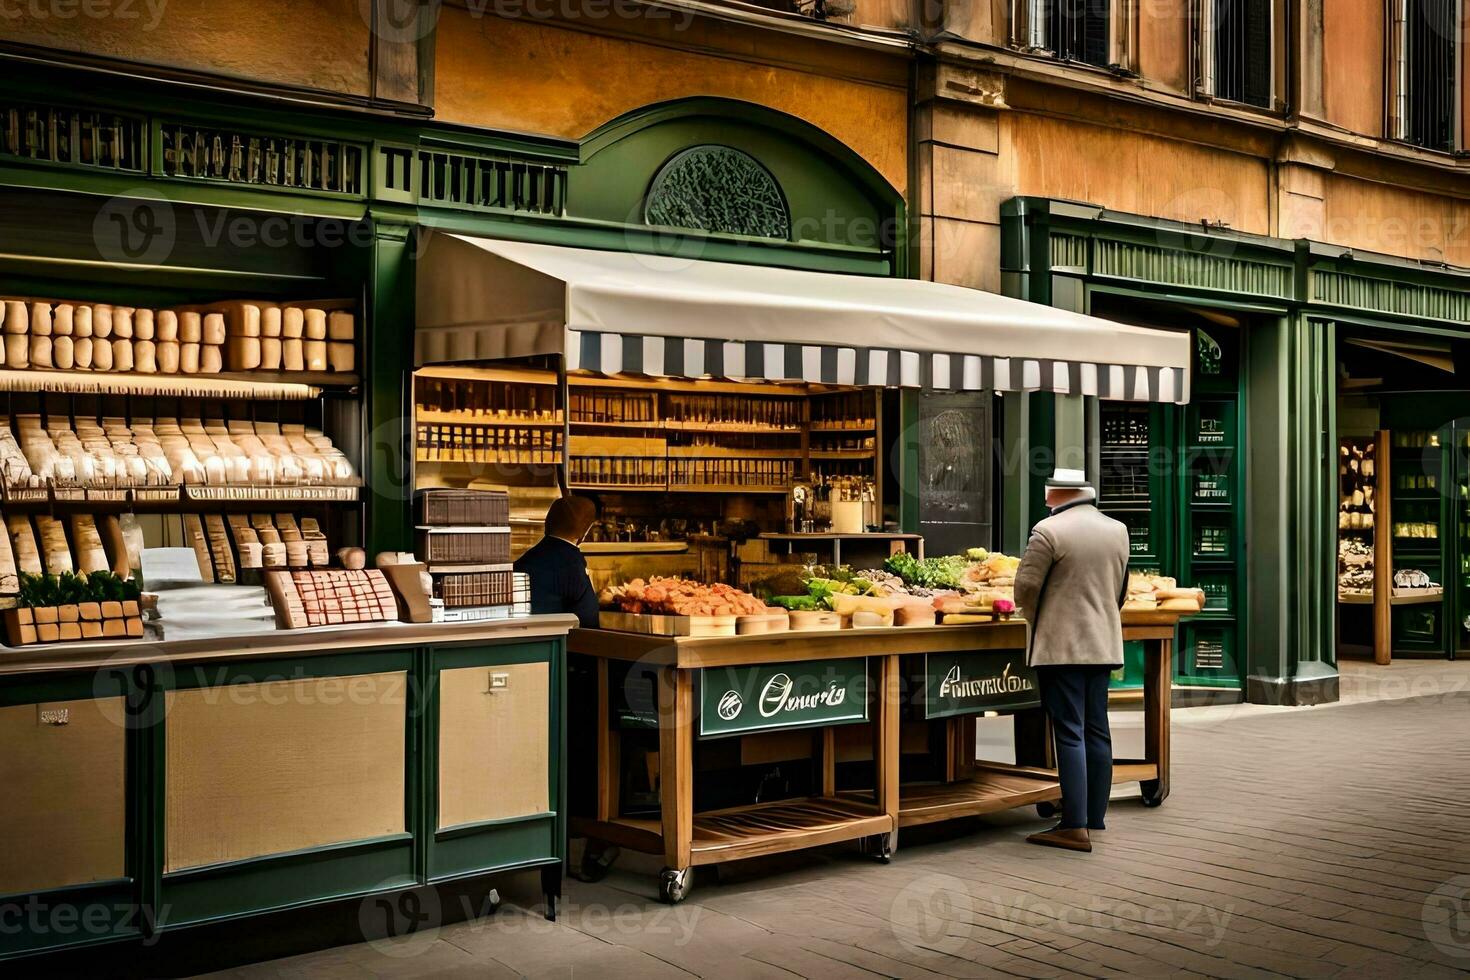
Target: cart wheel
<point>1151,795</point>
<point>1046,810</point>
<point>673,885</point>
<point>597,861</point>
<point>879,847</point>
<point>492,902</point>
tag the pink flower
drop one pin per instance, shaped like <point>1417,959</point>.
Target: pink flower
<point>1003,606</point>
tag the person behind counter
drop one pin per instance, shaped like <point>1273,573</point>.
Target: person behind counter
<point>1071,583</point>
<point>556,566</point>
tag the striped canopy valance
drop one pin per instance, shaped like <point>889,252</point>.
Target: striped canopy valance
<point>688,357</point>
<point>630,313</point>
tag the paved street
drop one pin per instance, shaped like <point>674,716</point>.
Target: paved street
<point>1322,842</point>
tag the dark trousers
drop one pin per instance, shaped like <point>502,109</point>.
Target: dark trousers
<point>1076,698</point>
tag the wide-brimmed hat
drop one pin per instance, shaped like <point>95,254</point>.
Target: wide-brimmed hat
<point>1068,480</point>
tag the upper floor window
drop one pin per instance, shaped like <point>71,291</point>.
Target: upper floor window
<point>1423,58</point>
<point>1237,50</point>
<point>1073,30</point>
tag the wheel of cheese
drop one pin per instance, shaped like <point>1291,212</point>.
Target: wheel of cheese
<point>124,356</point>
<point>166,325</point>
<point>41,319</point>
<point>143,321</point>
<point>191,327</point>
<point>164,356</point>
<point>270,353</point>
<point>17,351</point>
<point>293,322</point>
<point>101,355</point>
<point>102,321</point>
<point>122,322</point>
<point>17,317</point>
<point>40,352</point>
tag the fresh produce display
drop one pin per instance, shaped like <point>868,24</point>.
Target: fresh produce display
<point>680,597</point>
<point>929,573</point>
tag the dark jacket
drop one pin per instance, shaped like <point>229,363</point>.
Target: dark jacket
<point>559,582</point>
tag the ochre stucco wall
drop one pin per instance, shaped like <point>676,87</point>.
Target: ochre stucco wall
<point>542,79</point>
<point>1163,44</point>
<point>1396,220</point>
<point>1352,64</point>
<point>319,44</point>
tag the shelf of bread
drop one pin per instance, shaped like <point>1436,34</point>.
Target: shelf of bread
<point>183,350</point>
<point>163,460</point>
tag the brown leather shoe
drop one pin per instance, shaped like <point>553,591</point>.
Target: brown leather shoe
<point>1073,840</point>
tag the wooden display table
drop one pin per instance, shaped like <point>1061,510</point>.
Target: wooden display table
<point>711,688</point>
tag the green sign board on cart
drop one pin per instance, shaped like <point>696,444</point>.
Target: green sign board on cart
<point>768,697</point>
<point>970,682</point>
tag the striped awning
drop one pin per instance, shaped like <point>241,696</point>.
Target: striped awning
<point>622,313</point>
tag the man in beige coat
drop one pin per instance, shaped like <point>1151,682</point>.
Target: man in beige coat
<point>1071,586</point>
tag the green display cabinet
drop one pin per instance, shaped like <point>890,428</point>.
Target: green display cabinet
<point>1423,534</point>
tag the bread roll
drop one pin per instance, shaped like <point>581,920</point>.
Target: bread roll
<point>63,321</point>
<point>40,352</point>
<point>143,324</point>
<point>124,356</point>
<point>314,354</point>
<point>54,549</point>
<point>293,354</point>
<point>122,322</point>
<point>17,350</point>
<point>213,330</point>
<point>293,322</point>
<point>164,359</point>
<point>41,323</point>
<point>17,318</point>
<point>81,352</point>
<point>102,321</point>
<point>341,325</point>
<point>211,360</point>
<point>101,354</point>
<point>191,327</point>
<point>188,358</point>
<point>61,353</point>
<point>270,353</point>
<point>166,325</point>
<point>341,357</point>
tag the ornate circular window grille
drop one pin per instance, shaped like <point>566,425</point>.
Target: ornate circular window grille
<point>717,189</point>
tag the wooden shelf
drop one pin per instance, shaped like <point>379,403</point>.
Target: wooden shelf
<point>584,424</point>
<point>837,429</point>
<point>841,454</point>
<point>518,459</point>
<point>453,418</point>
<point>991,790</point>
<point>784,825</point>
<point>714,488</point>
<point>773,430</point>
<point>715,452</point>
<point>246,386</point>
<point>621,487</point>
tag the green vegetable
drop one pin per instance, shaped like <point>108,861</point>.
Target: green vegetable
<point>928,573</point>
<point>794,602</point>
<point>70,588</point>
<point>977,554</point>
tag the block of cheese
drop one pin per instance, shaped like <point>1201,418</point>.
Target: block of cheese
<point>17,350</point>
<point>23,544</point>
<point>191,327</point>
<point>213,329</point>
<point>54,550</point>
<point>341,325</point>
<point>91,555</point>
<point>40,352</point>
<point>293,322</point>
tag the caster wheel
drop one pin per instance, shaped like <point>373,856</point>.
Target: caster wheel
<point>596,863</point>
<point>673,885</point>
<point>492,902</point>
<point>1151,795</point>
<point>1046,810</point>
<point>1152,801</point>
<point>879,847</point>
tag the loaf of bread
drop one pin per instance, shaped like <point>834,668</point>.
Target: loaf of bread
<point>191,327</point>
<point>9,577</point>
<point>17,317</point>
<point>125,356</point>
<point>166,326</point>
<point>340,325</point>
<point>91,555</point>
<point>54,550</point>
<point>219,548</point>
<point>194,537</point>
<point>82,321</point>
<point>143,321</point>
<point>122,322</point>
<point>102,321</point>
<point>63,321</point>
<point>23,544</point>
<point>61,353</point>
<point>41,325</point>
<point>40,353</point>
<point>115,544</point>
<point>17,351</point>
<point>102,355</point>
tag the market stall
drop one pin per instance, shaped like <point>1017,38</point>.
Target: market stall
<point>712,726</point>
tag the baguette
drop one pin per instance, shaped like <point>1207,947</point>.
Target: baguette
<point>91,556</point>
<point>219,546</point>
<point>53,545</point>
<point>23,544</point>
<point>194,535</point>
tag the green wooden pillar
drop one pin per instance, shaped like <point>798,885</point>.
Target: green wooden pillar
<point>388,450</point>
<point>1290,549</point>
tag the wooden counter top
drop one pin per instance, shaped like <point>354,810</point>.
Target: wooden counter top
<point>724,651</point>
<point>279,643</point>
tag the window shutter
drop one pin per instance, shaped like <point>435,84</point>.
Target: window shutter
<point>1427,97</point>
<point>1096,37</point>
<point>1257,89</point>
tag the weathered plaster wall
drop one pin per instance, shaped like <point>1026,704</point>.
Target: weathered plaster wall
<point>318,44</point>
<point>1352,59</point>
<point>543,79</point>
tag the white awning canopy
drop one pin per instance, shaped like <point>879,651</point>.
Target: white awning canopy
<point>666,316</point>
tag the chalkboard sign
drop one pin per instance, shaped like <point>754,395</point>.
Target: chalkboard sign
<point>954,438</point>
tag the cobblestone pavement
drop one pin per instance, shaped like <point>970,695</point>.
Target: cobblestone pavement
<point>1319,842</point>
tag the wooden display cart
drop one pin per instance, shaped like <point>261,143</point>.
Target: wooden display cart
<point>687,701</point>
